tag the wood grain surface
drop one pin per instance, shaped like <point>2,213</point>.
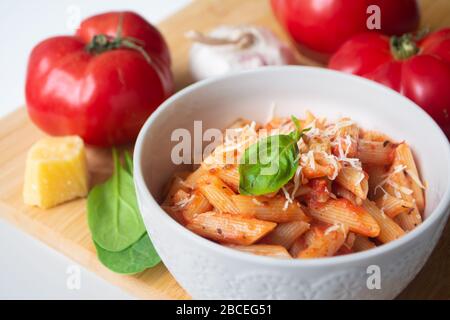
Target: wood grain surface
<point>65,227</point>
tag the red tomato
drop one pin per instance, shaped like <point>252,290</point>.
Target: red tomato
<point>322,26</point>
<point>420,70</point>
<point>99,84</point>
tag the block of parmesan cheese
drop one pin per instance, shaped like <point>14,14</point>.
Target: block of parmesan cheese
<point>55,172</point>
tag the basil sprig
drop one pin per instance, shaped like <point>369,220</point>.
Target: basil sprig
<point>270,163</point>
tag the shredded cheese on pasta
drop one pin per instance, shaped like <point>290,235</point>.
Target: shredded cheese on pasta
<point>415,178</point>
<point>255,201</point>
<point>183,203</point>
<point>297,181</point>
<point>334,228</point>
<point>343,155</point>
<point>398,189</point>
<point>288,199</point>
<point>332,129</point>
<point>360,179</point>
<point>383,214</point>
<point>332,160</point>
<point>323,152</point>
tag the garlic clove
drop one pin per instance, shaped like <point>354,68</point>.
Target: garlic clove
<point>229,49</point>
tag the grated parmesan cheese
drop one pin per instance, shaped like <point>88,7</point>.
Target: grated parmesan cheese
<point>360,179</point>
<point>333,228</point>
<point>336,227</point>
<point>296,181</point>
<point>397,187</point>
<point>334,162</point>
<point>258,203</point>
<point>288,199</point>
<point>382,213</point>
<point>183,203</point>
<point>311,160</point>
<point>343,155</point>
<point>334,128</point>
<point>415,178</point>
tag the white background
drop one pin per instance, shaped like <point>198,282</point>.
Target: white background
<point>28,268</point>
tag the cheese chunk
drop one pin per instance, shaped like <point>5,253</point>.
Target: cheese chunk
<point>55,172</point>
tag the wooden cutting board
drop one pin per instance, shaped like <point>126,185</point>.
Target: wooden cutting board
<point>65,227</point>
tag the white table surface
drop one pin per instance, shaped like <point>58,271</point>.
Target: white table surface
<point>28,268</point>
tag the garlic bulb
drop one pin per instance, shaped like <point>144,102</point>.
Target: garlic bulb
<point>233,48</point>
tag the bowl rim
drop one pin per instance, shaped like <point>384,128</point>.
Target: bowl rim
<point>439,212</point>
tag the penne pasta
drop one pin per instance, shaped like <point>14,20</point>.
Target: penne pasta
<point>302,191</point>
<point>320,144</point>
<point>217,193</point>
<point>389,230</point>
<point>352,190</point>
<point>230,228</point>
<point>342,192</point>
<point>316,165</point>
<point>323,243</point>
<point>350,240</point>
<point>362,244</point>
<point>346,140</point>
<point>375,136</point>
<point>343,250</point>
<point>376,153</point>
<point>347,246</point>
<point>344,212</point>
<point>404,156</point>
<point>276,209</point>
<point>191,205</point>
<point>400,186</point>
<point>228,174</point>
<point>377,175</point>
<point>286,233</point>
<point>354,180</point>
<point>320,191</point>
<point>176,184</point>
<point>297,246</point>
<point>267,250</point>
<point>393,206</point>
<point>409,220</point>
<point>180,199</point>
<point>192,179</point>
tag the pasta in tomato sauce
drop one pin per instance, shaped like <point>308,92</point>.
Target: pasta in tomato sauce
<point>336,189</point>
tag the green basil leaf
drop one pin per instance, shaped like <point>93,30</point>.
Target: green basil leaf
<point>296,135</point>
<point>268,165</point>
<point>140,256</point>
<point>128,163</point>
<point>113,213</point>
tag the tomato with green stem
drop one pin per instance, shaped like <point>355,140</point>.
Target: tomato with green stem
<point>103,82</point>
<point>417,67</point>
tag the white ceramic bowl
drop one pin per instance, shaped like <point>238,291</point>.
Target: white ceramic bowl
<point>210,271</point>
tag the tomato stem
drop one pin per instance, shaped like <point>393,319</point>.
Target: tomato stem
<point>101,43</point>
<point>404,47</point>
